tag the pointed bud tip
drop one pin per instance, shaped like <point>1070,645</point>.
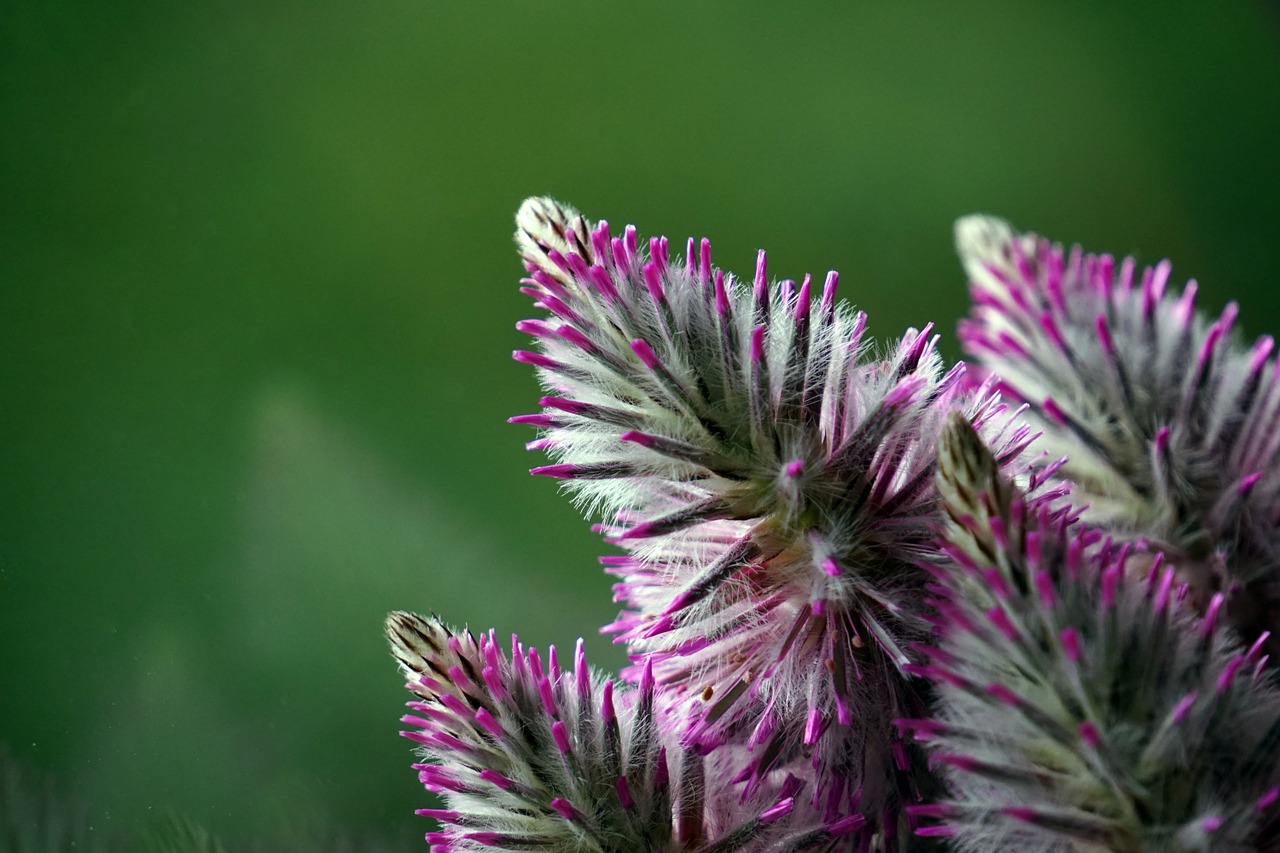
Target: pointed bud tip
<point>540,214</point>
<point>980,237</point>
<point>541,225</point>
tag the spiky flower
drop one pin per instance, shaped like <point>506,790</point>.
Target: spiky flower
<point>771,481</point>
<point>536,758</point>
<point>1169,427</point>
<point>1082,706</point>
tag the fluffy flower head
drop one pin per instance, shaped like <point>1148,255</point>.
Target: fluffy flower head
<point>1169,427</point>
<point>536,758</point>
<point>771,479</point>
<point>1082,705</point>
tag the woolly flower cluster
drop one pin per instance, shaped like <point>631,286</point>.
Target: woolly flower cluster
<point>1080,705</point>
<point>874,603</point>
<point>1168,428</point>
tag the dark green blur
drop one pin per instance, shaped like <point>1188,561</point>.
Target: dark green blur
<point>257,290</point>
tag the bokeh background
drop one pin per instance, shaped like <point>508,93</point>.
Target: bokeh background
<point>257,291</point>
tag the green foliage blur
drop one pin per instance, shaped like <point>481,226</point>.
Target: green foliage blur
<point>257,289</point>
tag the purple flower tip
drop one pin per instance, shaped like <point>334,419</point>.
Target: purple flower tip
<point>558,472</point>
<point>1022,813</point>
<point>565,808</point>
<point>1004,694</point>
<point>573,407</point>
<point>497,779</point>
<point>540,419</point>
<point>848,825</point>
<point>1054,411</point>
<point>1268,799</point>
<point>637,437</point>
<point>535,359</point>
<point>781,810</point>
<point>1003,624</point>
<point>624,793</point>
<point>561,737</point>
<point>960,762</point>
<point>646,354</point>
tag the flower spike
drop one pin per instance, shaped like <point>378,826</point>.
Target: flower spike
<point>1168,426</point>
<point>1097,712</point>
<point>772,482</point>
<point>535,758</point>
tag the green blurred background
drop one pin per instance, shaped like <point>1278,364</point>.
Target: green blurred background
<point>257,290</point>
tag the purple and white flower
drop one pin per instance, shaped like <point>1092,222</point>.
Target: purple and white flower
<point>1169,427</point>
<point>770,478</point>
<point>1082,705</point>
<point>531,757</point>
<point>860,617</point>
